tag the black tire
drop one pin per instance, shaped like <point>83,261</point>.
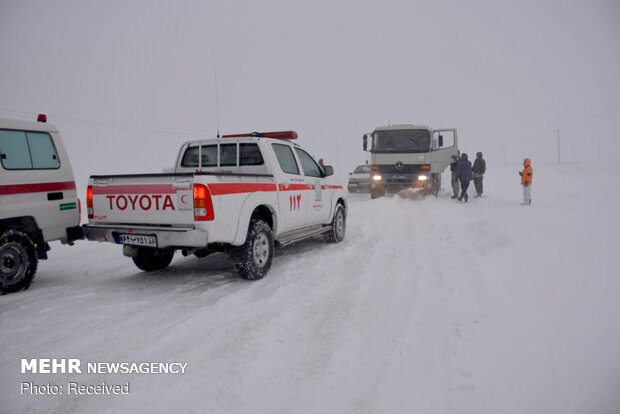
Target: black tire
<point>253,259</point>
<point>150,260</point>
<point>338,227</point>
<point>18,261</point>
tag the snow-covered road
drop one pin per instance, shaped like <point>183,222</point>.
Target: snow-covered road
<point>427,306</point>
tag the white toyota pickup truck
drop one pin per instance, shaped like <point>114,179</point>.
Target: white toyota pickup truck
<point>240,194</point>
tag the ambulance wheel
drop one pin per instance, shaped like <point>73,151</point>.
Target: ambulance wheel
<point>150,260</point>
<point>18,261</point>
<point>253,259</point>
<point>338,227</point>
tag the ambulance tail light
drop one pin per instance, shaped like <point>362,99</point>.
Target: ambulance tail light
<point>203,205</point>
<point>89,202</point>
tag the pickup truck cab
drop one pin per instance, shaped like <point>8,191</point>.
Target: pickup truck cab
<point>240,194</point>
<point>38,201</point>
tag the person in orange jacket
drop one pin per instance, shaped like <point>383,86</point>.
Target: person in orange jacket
<point>526,181</point>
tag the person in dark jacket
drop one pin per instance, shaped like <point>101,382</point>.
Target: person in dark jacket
<point>455,177</point>
<point>480,166</point>
<point>465,176</point>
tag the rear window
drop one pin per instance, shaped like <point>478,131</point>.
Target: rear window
<point>228,155</point>
<point>249,154</point>
<point>20,150</point>
<point>209,156</point>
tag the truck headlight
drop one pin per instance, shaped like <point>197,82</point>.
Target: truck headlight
<point>422,177</point>
<point>376,177</point>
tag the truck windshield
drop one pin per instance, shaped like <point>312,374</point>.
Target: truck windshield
<point>402,140</point>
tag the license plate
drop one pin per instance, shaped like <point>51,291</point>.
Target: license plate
<point>401,177</point>
<point>138,240</point>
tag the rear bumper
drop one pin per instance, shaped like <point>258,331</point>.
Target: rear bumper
<point>166,237</point>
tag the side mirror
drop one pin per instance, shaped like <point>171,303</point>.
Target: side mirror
<point>365,145</point>
<point>328,170</point>
<point>440,141</point>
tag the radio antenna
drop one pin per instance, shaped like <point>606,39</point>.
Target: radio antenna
<point>217,102</point>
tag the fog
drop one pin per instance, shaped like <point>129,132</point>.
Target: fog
<point>127,82</point>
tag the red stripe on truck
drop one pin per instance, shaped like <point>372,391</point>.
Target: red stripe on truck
<point>237,188</point>
<point>36,187</point>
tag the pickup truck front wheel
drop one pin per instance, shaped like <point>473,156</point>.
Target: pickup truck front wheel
<point>338,227</point>
<point>18,261</point>
<point>149,259</point>
<point>253,259</point>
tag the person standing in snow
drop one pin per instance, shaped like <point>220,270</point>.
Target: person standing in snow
<point>455,177</point>
<point>465,176</point>
<point>480,166</point>
<point>526,181</point>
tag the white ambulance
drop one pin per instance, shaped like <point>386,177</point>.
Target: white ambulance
<point>38,201</point>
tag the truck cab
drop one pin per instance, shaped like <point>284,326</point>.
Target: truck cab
<point>409,157</point>
<point>38,201</point>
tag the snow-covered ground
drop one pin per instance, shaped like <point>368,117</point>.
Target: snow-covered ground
<point>428,306</point>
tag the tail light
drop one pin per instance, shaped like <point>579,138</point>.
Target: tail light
<point>89,202</point>
<point>425,167</point>
<point>79,212</point>
<point>203,205</point>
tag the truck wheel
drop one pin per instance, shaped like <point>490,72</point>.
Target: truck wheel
<point>338,227</point>
<point>253,259</point>
<point>18,261</point>
<point>149,259</point>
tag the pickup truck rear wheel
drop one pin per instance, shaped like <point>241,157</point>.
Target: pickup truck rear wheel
<point>149,259</point>
<point>338,227</point>
<point>18,261</point>
<point>253,259</point>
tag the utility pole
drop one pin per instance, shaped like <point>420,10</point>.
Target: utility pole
<point>558,130</point>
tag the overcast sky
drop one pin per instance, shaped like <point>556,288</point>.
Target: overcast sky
<point>127,82</point>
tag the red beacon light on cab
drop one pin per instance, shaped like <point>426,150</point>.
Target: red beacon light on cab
<point>42,118</point>
<point>275,134</point>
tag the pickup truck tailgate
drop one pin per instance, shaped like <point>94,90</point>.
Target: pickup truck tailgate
<point>153,199</point>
